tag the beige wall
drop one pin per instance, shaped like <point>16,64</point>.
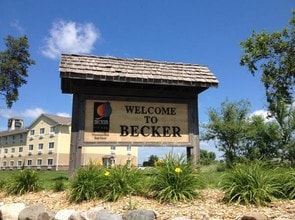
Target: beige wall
<point>59,154</point>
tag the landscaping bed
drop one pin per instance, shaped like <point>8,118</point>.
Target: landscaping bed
<point>209,205</point>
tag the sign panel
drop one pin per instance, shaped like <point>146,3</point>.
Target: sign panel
<point>126,122</point>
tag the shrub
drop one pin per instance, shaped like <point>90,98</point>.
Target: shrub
<point>121,181</point>
<point>286,182</point>
<point>250,184</point>
<point>84,185</point>
<point>59,184</point>
<point>174,180</point>
<point>26,181</point>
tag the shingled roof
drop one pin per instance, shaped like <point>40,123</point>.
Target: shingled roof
<point>114,69</point>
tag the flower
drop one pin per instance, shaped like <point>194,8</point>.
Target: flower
<point>107,173</point>
<point>178,170</point>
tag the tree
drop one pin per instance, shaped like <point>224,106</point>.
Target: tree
<point>206,158</point>
<point>151,161</point>
<point>275,53</point>
<point>261,139</point>
<point>14,62</point>
<point>227,127</point>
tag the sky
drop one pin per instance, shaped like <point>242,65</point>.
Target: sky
<point>205,32</point>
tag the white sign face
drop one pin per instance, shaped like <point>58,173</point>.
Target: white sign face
<point>136,122</point>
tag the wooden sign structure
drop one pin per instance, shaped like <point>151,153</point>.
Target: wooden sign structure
<point>133,102</point>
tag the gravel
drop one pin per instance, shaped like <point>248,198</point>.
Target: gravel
<point>209,205</point>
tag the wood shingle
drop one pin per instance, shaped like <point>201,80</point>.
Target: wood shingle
<point>114,69</point>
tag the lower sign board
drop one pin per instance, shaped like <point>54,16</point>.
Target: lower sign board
<point>127,122</point>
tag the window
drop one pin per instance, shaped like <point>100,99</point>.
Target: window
<point>51,146</point>
<point>128,148</point>
<point>4,164</point>
<point>32,132</point>
<point>21,137</point>
<point>12,150</point>
<point>31,147</point>
<point>19,164</point>
<point>52,129</point>
<point>50,162</point>
<point>20,149</point>
<point>13,138</point>
<point>39,162</point>
<point>5,150</point>
<point>40,147</point>
<point>29,162</point>
<point>11,164</point>
<point>42,130</point>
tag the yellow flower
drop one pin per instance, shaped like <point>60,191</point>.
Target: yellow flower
<point>178,170</point>
<point>107,173</point>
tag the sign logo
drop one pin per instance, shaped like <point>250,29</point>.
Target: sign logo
<point>101,116</point>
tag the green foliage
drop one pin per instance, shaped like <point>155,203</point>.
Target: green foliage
<point>207,158</point>
<point>286,182</point>
<point>228,126</point>
<point>250,184</point>
<point>151,161</point>
<point>2,184</point>
<point>174,180</point>
<point>14,62</point>
<point>59,183</point>
<point>26,181</point>
<point>274,55</point>
<point>85,184</point>
<point>274,52</point>
<point>121,181</point>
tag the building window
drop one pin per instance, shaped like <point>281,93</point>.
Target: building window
<point>5,150</point>
<point>13,139</point>
<point>51,146</point>
<point>20,149</point>
<point>11,164</point>
<point>29,162</point>
<point>21,137</point>
<point>128,148</point>
<point>19,164</point>
<point>31,147</point>
<point>40,147</point>
<point>4,164</point>
<point>32,132</point>
<point>39,162</point>
<point>42,130</point>
<point>50,162</point>
<point>12,150</point>
<point>52,129</point>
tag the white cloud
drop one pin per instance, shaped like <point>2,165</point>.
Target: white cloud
<point>262,113</point>
<point>70,37</point>
<point>15,24</point>
<point>32,113</point>
<point>63,114</point>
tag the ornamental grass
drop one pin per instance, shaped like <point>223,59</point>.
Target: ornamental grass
<point>174,179</point>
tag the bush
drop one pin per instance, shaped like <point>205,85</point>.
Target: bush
<point>174,180</point>
<point>250,184</point>
<point>59,184</point>
<point>84,185</point>
<point>26,181</point>
<point>121,181</point>
<point>286,182</point>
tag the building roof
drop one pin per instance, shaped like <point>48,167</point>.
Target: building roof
<point>114,69</point>
<point>59,119</point>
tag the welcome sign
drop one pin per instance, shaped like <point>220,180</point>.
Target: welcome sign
<point>127,122</point>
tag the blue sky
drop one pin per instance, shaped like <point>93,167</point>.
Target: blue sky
<point>192,31</point>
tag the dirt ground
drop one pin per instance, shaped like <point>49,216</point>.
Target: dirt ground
<point>210,205</point>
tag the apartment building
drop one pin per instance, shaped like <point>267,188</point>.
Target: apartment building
<point>45,145</point>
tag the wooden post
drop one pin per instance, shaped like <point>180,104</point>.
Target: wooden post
<point>76,134</point>
<point>194,150</point>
